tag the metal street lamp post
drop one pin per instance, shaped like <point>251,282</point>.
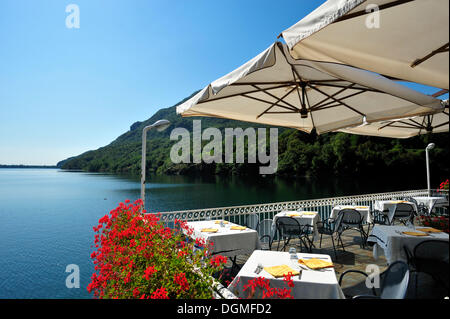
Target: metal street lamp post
<point>429,147</point>
<point>160,125</point>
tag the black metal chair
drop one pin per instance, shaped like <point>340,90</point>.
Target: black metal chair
<point>352,219</point>
<point>430,257</point>
<point>422,209</point>
<point>252,221</point>
<point>265,233</point>
<point>394,283</point>
<point>289,228</point>
<point>330,227</point>
<point>404,213</point>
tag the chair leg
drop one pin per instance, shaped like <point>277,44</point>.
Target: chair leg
<point>320,243</point>
<point>334,248</point>
<point>342,244</point>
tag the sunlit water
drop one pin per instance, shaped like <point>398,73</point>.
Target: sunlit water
<point>46,216</point>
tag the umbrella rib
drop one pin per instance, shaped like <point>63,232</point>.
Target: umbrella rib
<point>442,49</point>
<point>334,94</point>
<point>264,101</point>
<point>364,12</point>
<point>276,103</point>
<point>249,92</point>
<point>336,100</point>
<point>342,98</point>
<point>446,123</point>
<point>320,107</point>
<point>275,97</point>
<point>310,110</point>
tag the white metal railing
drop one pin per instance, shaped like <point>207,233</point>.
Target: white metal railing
<point>238,214</point>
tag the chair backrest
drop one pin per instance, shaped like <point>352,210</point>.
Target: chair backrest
<point>404,210</point>
<point>265,228</point>
<point>432,249</point>
<point>252,221</point>
<point>288,226</point>
<point>395,281</point>
<point>350,217</point>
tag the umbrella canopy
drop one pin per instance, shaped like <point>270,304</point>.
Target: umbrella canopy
<point>406,127</point>
<point>275,89</point>
<point>407,40</point>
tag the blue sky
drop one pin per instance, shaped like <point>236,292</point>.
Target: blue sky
<point>65,91</point>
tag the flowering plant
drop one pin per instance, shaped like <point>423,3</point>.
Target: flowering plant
<point>137,257</point>
<point>259,287</point>
<point>443,185</point>
<point>440,222</point>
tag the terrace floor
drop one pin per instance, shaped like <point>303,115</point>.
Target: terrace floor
<point>357,258</point>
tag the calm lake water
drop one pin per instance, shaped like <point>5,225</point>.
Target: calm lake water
<point>46,216</point>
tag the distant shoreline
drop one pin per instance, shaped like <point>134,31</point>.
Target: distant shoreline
<point>28,166</point>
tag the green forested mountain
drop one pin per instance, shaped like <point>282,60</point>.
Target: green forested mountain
<point>300,154</point>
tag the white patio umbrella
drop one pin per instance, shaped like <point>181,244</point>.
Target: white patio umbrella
<point>402,39</point>
<point>275,89</point>
<point>405,127</point>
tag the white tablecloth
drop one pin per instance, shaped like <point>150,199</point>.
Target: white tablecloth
<point>304,219</point>
<point>389,241</point>
<point>363,210</point>
<point>311,285</point>
<point>431,202</point>
<point>226,242</point>
<point>387,207</point>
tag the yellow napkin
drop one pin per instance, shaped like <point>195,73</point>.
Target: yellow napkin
<point>218,222</point>
<point>280,271</point>
<point>315,263</point>
<point>414,233</point>
<point>309,213</point>
<point>238,227</point>
<point>292,215</point>
<point>209,230</point>
<point>362,207</point>
<point>398,201</point>
<point>429,230</point>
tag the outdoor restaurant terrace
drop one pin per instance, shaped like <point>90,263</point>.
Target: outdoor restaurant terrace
<point>260,239</point>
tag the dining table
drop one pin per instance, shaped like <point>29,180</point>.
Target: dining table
<point>432,201</point>
<point>363,210</point>
<point>310,218</point>
<point>391,241</point>
<point>227,238</point>
<point>307,284</point>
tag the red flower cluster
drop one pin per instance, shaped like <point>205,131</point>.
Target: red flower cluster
<point>218,261</point>
<point>267,291</point>
<point>440,222</point>
<point>444,185</point>
<point>137,257</point>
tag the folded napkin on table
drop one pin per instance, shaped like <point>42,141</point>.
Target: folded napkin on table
<point>362,207</point>
<point>315,263</point>
<point>429,230</point>
<point>309,213</point>
<point>238,227</point>
<point>280,271</point>
<point>414,233</point>
<point>209,230</point>
<point>218,222</point>
<point>293,215</point>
